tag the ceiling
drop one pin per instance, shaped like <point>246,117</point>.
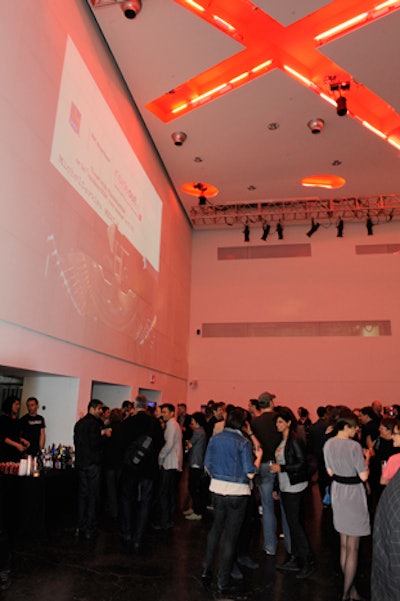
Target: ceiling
<point>249,138</point>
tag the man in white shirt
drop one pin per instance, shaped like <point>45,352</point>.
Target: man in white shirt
<point>170,462</point>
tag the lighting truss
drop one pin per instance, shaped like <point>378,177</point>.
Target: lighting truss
<point>382,208</point>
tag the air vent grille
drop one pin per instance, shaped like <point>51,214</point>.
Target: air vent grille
<point>284,251</point>
<point>297,328</point>
<point>378,249</point>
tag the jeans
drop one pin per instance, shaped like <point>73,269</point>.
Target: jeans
<point>228,516</point>
<point>136,496</point>
<point>266,487</point>
<point>88,498</point>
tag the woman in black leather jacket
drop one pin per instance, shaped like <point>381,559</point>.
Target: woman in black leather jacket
<point>291,467</point>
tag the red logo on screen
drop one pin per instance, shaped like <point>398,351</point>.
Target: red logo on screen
<point>75,118</point>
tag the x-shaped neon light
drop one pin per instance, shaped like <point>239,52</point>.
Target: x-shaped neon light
<point>294,49</point>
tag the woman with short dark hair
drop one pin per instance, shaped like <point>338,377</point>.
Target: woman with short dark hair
<point>346,465</point>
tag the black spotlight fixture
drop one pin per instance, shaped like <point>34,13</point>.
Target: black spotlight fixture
<point>246,233</point>
<point>266,230</point>
<point>279,230</point>
<point>340,228</point>
<point>202,201</point>
<point>341,106</point>
<point>370,225</point>
<point>313,229</point>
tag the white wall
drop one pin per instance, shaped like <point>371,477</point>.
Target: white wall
<point>66,281</point>
<point>333,284</point>
<point>111,395</point>
<point>57,398</point>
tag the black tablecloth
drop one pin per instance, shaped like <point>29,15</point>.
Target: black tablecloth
<point>32,505</point>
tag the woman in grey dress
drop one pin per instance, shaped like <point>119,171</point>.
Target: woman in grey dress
<point>346,464</point>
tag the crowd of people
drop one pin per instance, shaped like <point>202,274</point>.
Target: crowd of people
<point>240,463</point>
<point>238,460</point>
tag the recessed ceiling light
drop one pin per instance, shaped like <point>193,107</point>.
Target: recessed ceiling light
<point>323,181</point>
<point>273,125</point>
<point>200,189</point>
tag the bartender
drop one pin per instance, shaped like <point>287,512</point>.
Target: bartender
<point>12,445</point>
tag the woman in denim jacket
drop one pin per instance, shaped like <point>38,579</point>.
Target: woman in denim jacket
<point>231,464</point>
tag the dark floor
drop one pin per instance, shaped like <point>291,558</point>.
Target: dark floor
<point>58,567</point>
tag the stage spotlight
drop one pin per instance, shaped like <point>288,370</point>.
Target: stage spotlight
<point>313,229</point>
<point>370,226</point>
<point>202,201</point>
<point>341,106</point>
<point>279,230</point>
<point>266,230</point>
<point>246,233</point>
<point>340,227</point>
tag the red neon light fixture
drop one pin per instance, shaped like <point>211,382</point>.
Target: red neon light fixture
<point>323,181</point>
<point>294,49</point>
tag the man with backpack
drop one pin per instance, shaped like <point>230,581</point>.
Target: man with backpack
<point>141,439</point>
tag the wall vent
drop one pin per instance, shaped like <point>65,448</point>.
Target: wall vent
<point>291,329</point>
<point>284,251</point>
<point>377,249</point>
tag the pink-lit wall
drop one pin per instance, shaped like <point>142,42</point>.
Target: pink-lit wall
<point>333,284</point>
<point>77,298</point>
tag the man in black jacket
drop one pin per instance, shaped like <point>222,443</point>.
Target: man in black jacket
<point>141,438</point>
<point>88,443</point>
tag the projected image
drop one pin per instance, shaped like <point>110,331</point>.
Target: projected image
<point>110,273</point>
<point>103,293</point>
<point>91,151</point>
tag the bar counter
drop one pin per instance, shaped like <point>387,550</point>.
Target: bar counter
<point>35,504</point>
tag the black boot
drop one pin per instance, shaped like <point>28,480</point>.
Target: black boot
<point>290,565</point>
<point>310,565</point>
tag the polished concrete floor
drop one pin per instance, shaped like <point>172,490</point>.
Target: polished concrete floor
<point>58,567</point>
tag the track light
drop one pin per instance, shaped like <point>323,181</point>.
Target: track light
<point>340,227</point>
<point>370,226</point>
<point>266,230</point>
<point>131,9</point>
<point>341,106</point>
<point>313,229</point>
<point>246,233</point>
<point>279,230</point>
